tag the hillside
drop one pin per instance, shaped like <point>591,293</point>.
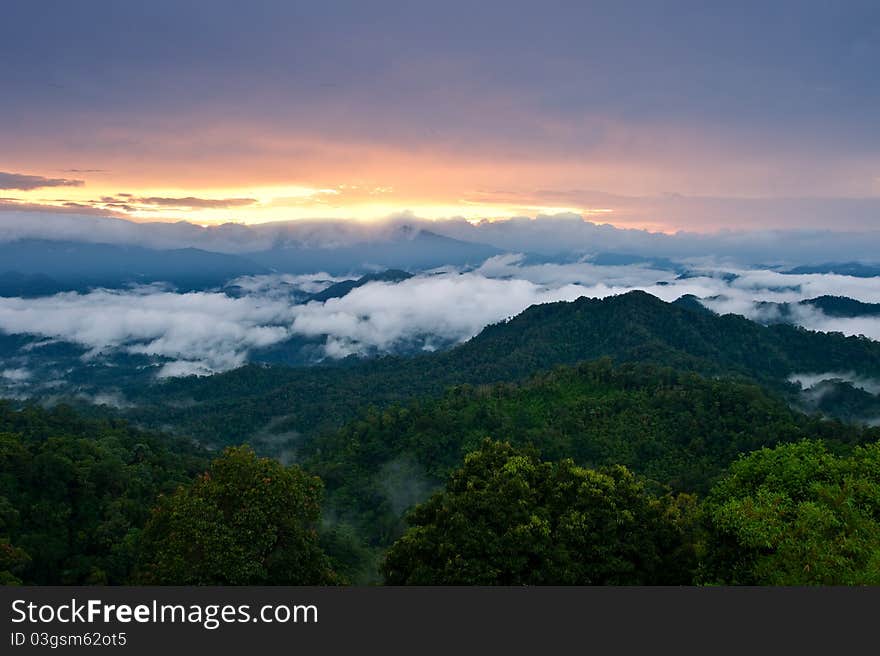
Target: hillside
<point>832,306</point>
<point>340,289</point>
<point>679,430</point>
<point>283,406</point>
<point>75,492</point>
<point>35,267</point>
<point>857,269</point>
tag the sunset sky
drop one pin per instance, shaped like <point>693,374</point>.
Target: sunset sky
<point>668,116</point>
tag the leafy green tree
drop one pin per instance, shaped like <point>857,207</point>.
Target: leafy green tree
<point>13,561</point>
<point>679,429</point>
<point>795,515</point>
<point>75,492</point>
<point>246,521</point>
<point>507,518</point>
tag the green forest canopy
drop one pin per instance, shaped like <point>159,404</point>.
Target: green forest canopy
<point>681,395</point>
<point>268,403</point>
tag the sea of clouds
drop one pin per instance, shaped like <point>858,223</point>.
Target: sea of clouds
<point>207,332</point>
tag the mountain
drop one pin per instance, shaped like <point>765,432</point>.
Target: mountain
<point>25,285</point>
<point>843,307</point>
<point>692,303</point>
<point>407,248</point>
<point>36,267</point>
<point>340,289</point>
<point>632,327</point>
<point>638,327</point>
<point>839,307</point>
<point>80,265</point>
<point>856,269</point>
<point>590,380</point>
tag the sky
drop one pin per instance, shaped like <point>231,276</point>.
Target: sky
<point>672,116</point>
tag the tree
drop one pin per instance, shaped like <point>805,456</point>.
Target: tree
<point>795,515</point>
<point>246,521</point>
<point>508,518</point>
<point>13,560</point>
<point>74,493</point>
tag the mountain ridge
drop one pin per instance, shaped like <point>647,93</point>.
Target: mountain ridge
<point>632,327</point>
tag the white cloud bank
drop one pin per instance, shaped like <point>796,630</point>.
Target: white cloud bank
<point>451,307</point>
<point>201,332</point>
<point>16,375</point>
<point>205,332</point>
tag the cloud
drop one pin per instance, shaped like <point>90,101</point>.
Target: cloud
<point>94,226</point>
<point>570,233</point>
<point>18,375</point>
<point>182,368</point>
<point>191,202</point>
<point>448,307</point>
<point>723,289</point>
<point>700,212</point>
<point>515,265</point>
<point>13,207</point>
<point>282,285</point>
<point>122,204</point>
<point>111,398</point>
<point>24,182</point>
<point>567,234</point>
<point>809,381</point>
<point>815,319</point>
<point>747,294</point>
<point>199,332</point>
<point>733,98</point>
<point>204,332</point>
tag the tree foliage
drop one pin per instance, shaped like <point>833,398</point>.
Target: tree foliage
<point>508,518</point>
<point>796,515</point>
<point>645,397</point>
<point>246,521</point>
<point>74,493</point>
<point>680,430</point>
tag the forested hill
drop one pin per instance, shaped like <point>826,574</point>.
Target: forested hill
<point>90,502</point>
<point>265,403</point>
<point>74,493</point>
<point>638,327</point>
<point>678,429</point>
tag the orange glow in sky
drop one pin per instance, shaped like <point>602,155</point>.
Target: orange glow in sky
<point>278,203</point>
<point>257,177</point>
